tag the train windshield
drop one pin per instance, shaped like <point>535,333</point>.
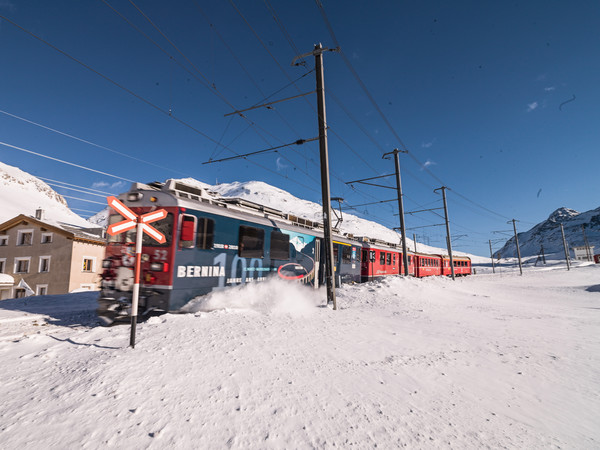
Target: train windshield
<point>165,226</point>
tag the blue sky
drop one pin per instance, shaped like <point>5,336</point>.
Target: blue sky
<point>498,101</point>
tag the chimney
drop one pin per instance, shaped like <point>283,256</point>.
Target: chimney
<point>39,214</point>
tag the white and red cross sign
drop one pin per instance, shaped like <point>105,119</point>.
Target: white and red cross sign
<point>132,219</point>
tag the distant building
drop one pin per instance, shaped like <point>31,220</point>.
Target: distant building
<point>584,253</point>
<point>39,257</point>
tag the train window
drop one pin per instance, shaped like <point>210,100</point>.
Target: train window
<point>394,259</point>
<point>335,253</point>
<point>251,242</point>
<point>382,258</point>
<point>389,259</point>
<point>280,245</point>
<point>365,256</point>
<point>205,235</point>
<point>372,255</point>
<point>187,231</point>
<point>346,254</point>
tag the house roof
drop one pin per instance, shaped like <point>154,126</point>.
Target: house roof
<point>76,233</point>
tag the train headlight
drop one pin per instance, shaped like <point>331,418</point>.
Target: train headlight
<point>157,266</point>
<point>134,196</point>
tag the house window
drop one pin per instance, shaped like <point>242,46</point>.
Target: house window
<point>280,245</point>
<point>3,265</point>
<point>44,264</point>
<point>251,242</point>
<point>3,241</point>
<point>22,265</point>
<point>41,289</point>
<point>24,237</point>
<point>46,238</point>
<point>88,264</point>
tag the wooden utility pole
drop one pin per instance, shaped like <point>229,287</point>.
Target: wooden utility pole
<point>325,191</point>
<point>543,255</point>
<point>588,252</point>
<point>400,206</point>
<point>517,243</point>
<point>562,231</point>
<point>448,239</point>
<point>492,257</point>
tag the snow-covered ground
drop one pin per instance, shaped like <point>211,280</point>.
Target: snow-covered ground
<point>485,361</point>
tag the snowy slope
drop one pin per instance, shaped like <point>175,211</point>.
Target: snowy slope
<point>547,233</point>
<point>22,193</point>
<point>489,361</point>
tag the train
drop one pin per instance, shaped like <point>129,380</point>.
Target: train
<point>214,242</point>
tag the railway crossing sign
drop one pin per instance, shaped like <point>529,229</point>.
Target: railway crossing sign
<point>132,220</point>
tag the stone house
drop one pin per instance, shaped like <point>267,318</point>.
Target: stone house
<point>40,257</point>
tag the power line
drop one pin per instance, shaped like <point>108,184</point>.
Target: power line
<point>84,210</point>
<point>272,149</point>
<point>89,142</point>
<point>213,88</point>
<point>75,189</point>
<point>74,185</point>
<point>84,200</point>
<point>166,113</point>
<point>384,118</point>
<point>64,162</point>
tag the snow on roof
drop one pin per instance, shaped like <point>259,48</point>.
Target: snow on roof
<point>6,280</point>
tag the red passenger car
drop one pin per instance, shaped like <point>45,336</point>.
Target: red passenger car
<point>428,265</point>
<point>462,265</point>
<point>378,261</point>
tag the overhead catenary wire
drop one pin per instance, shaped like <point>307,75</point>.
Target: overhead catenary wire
<point>272,149</point>
<point>292,82</point>
<point>156,107</point>
<point>76,190</point>
<point>41,155</point>
<point>213,87</point>
<point>84,200</point>
<point>85,141</point>
<point>296,52</point>
<point>382,115</point>
<point>74,185</point>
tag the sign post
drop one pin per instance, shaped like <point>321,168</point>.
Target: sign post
<point>140,223</point>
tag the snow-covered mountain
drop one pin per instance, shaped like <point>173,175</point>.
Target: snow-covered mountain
<point>22,193</point>
<point>547,233</point>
